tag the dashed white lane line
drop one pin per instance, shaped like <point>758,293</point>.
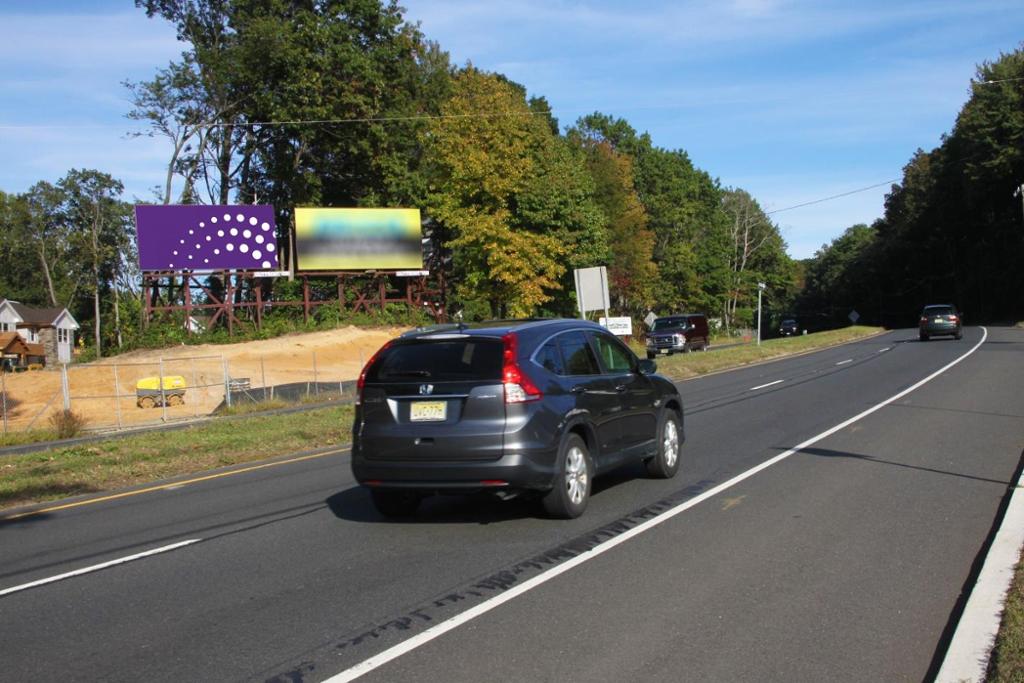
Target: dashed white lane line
<point>885,349</point>
<point>770,384</point>
<point>416,641</point>
<point>844,362</point>
<point>98,567</point>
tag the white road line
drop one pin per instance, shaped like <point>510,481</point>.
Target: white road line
<point>844,362</point>
<point>885,349</point>
<point>97,567</point>
<point>396,651</point>
<point>971,646</point>
<point>770,384</point>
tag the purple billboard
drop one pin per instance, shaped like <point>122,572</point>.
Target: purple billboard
<point>197,237</point>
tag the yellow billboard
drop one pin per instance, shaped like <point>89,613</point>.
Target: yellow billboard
<point>358,239</point>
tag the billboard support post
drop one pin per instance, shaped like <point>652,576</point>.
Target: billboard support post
<point>188,304</point>
<point>229,302</point>
<point>305,299</point>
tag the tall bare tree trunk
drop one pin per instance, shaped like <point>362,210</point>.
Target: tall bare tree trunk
<point>46,273</point>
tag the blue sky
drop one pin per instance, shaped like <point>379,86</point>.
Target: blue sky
<point>792,101</point>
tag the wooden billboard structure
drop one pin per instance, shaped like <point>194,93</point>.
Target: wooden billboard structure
<point>231,296</point>
<point>245,297</point>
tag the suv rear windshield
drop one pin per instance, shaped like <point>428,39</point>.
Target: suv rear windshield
<point>452,360</point>
<point>938,310</point>
<point>670,324</point>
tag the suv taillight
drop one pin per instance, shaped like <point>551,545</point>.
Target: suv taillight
<point>361,382</point>
<point>518,387</point>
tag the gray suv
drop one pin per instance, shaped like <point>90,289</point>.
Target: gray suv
<point>530,407</point>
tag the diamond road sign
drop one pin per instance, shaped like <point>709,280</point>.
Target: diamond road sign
<point>854,316</point>
<point>650,319</point>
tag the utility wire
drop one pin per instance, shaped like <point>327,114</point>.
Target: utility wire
<point>1002,80</point>
<point>835,196</point>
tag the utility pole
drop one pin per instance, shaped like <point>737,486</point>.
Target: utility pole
<point>760,288</point>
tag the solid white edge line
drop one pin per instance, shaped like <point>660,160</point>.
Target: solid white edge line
<point>971,647</point>
<point>844,362</point>
<point>97,567</point>
<point>396,651</point>
<point>770,384</point>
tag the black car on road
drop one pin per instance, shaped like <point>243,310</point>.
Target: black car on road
<point>535,407</point>
<point>788,327</point>
<point>940,319</point>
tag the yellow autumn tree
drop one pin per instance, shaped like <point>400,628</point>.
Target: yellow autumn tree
<point>482,154</point>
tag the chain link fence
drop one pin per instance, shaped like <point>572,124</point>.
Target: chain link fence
<point>121,395</point>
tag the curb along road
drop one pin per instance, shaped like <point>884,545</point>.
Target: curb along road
<point>971,647</point>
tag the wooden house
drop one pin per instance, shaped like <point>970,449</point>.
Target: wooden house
<point>48,332</point>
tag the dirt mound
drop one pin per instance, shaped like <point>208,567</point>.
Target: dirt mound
<point>104,391</point>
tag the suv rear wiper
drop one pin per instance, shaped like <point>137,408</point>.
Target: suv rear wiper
<point>409,373</point>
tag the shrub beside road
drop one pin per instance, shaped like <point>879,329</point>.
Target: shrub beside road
<point>696,363</point>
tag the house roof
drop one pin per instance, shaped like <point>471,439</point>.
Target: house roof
<point>40,317</point>
<point>8,304</point>
<point>11,342</point>
<point>36,350</point>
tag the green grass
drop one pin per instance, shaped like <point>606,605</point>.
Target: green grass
<point>683,366</point>
<point>116,463</point>
<point>1007,662</point>
<point>23,438</point>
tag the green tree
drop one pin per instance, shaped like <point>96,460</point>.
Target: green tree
<point>758,254</point>
<point>100,232</point>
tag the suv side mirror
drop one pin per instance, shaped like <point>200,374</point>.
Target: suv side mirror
<point>647,366</point>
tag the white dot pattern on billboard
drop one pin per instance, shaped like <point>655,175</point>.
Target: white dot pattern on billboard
<point>245,241</point>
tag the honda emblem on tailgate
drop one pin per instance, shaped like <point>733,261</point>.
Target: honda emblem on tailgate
<point>426,389</point>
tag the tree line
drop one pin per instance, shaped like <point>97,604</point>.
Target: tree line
<point>953,228</point>
<point>345,103</point>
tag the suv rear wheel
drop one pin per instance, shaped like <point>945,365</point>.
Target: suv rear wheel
<point>395,503</point>
<point>568,499</point>
<point>665,464</point>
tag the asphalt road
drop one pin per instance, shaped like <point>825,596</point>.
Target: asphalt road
<point>844,560</point>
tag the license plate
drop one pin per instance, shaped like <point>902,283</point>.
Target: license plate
<point>939,320</point>
<point>663,351</point>
<point>428,411</point>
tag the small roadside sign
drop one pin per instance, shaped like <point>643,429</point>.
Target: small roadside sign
<point>622,327</point>
<point>649,320</point>
<point>854,316</point>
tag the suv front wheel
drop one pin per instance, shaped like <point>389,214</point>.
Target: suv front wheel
<point>665,464</point>
<point>568,498</point>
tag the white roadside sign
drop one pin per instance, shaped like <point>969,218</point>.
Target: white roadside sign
<point>622,327</point>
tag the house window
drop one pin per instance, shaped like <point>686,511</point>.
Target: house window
<point>6,327</point>
<point>63,336</point>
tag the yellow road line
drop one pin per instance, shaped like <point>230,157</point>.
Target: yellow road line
<point>169,485</point>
